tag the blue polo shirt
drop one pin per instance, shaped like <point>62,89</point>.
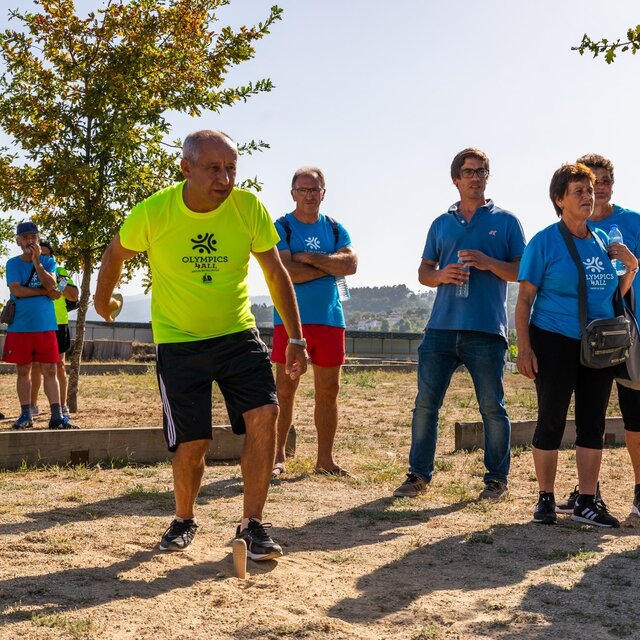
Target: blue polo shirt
<point>547,264</point>
<point>629,224</point>
<point>36,313</point>
<point>318,300</point>
<point>498,234</point>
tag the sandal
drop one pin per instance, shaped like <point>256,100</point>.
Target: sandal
<point>278,470</point>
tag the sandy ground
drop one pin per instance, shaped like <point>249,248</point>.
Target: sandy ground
<point>79,554</point>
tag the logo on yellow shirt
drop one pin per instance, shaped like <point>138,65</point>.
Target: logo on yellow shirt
<point>204,242</point>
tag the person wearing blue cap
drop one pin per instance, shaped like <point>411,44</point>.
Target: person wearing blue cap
<point>31,336</point>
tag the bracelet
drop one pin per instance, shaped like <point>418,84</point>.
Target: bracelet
<point>299,342</point>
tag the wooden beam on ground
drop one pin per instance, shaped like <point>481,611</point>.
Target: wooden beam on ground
<point>470,435</point>
<point>143,445</point>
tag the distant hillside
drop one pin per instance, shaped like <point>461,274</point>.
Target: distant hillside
<point>388,308</point>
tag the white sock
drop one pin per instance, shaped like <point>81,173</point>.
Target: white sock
<point>185,519</point>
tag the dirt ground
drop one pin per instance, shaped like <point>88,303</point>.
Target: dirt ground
<point>79,557</point>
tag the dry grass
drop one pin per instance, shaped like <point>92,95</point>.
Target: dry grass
<point>78,557</point>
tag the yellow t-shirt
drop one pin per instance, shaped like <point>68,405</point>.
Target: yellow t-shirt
<point>199,262</point>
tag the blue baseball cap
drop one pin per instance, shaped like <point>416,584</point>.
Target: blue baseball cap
<point>26,227</point>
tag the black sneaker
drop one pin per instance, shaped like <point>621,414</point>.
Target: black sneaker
<point>179,535</point>
<point>62,423</point>
<point>635,509</point>
<point>545,511</point>
<point>594,511</point>
<point>260,546</point>
<point>568,505</point>
<point>412,487</point>
<point>23,422</point>
<point>493,490</point>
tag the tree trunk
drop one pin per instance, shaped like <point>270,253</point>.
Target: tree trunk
<point>78,343</point>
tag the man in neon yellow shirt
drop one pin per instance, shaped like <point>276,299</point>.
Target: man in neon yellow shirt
<point>199,235</point>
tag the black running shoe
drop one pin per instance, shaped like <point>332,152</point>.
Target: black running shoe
<point>259,544</point>
<point>568,505</point>
<point>62,422</point>
<point>594,511</point>
<point>635,509</point>
<point>23,422</point>
<point>179,535</point>
<point>545,511</point>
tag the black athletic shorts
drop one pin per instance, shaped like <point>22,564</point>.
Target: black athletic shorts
<point>239,363</point>
<point>64,338</point>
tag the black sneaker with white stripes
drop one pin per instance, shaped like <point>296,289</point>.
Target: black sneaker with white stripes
<point>179,535</point>
<point>566,506</point>
<point>593,511</point>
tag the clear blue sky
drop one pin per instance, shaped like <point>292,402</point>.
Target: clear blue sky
<point>382,95</point>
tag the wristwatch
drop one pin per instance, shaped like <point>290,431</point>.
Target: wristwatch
<point>300,342</point>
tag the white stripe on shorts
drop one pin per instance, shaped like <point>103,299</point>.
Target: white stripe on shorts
<point>171,427</point>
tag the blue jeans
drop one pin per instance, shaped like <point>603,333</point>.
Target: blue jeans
<point>439,355</point>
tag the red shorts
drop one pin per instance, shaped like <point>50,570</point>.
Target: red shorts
<point>325,344</point>
<point>24,348</point>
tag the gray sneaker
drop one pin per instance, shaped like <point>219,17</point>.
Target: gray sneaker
<point>65,411</point>
<point>493,489</point>
<point>35,411</point>
<point>412,487</point>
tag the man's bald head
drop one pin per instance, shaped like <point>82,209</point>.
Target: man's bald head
<point>194,142</point>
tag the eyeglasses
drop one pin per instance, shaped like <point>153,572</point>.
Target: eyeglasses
<point>469,173</point>
<point>607,182</point>
<point>313,192</point>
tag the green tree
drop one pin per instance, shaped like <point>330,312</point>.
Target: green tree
<point>609,48</point>
<point>85,101</point>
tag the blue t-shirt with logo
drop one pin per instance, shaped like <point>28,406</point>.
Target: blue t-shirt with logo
<point>629,224</point>
<point>547,264</point>
<point>498,234</point>
<point>35,313</point>
<point>318,300</point>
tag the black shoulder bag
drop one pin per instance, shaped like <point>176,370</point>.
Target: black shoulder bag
<point>9,309</point>
<point>606,342</point>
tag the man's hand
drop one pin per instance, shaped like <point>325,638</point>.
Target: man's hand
<point>106,311</point>
<point>296,361</point>
<point>475,258</point>
<point>54,295</point>
<point>36,251</point>
<point>453,273</point>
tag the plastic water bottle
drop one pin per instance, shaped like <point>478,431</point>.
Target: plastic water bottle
<point>462,290</point>
<point>343,289</point>
<point>616,236</point>
<point>62,284</point>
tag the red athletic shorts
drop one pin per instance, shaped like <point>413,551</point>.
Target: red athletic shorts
<point>23,348</point>
<point>325,344</point>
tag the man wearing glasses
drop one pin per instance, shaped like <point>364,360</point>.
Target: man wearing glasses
<point>471,252</point>
<point>315,250</point>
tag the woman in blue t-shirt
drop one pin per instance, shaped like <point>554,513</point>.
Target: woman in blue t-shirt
<point>549,331</point>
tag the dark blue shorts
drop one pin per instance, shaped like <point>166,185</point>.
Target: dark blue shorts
<point>239,363</point>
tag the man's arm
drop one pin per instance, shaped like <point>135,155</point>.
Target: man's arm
<point>431,276</point>
<point>344,262</point>
<point>298,271</point>
<point>18,290</point>
<point>47,279</point>
<point>284,298</point>
<point>113,260</point>
<point>70,292</point>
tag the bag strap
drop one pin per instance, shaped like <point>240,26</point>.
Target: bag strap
<point>284,223</point>
<point>582,285</point>
<point>33,271</point>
